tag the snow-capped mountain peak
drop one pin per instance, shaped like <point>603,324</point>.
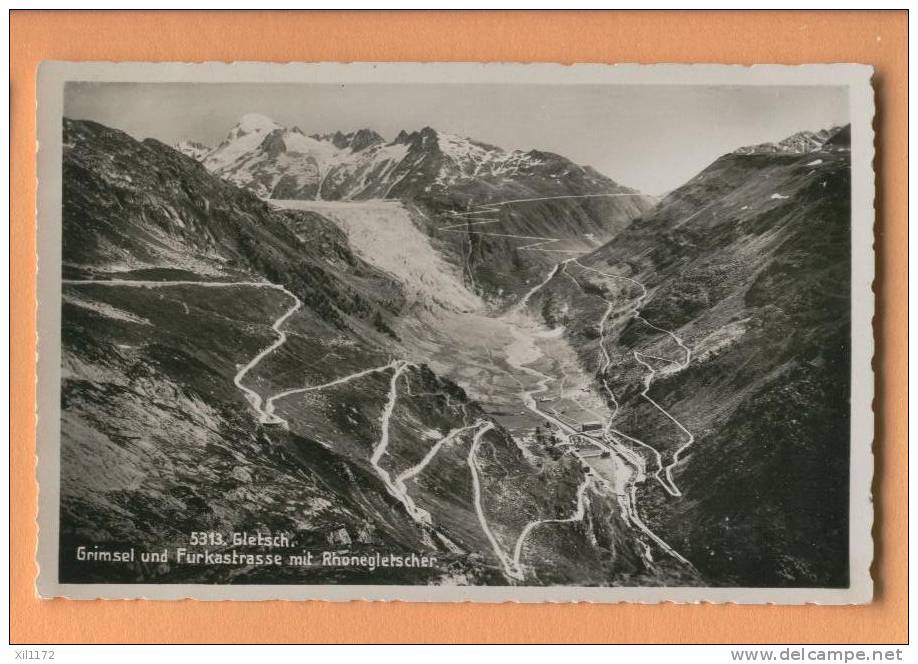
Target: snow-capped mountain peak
<point>469,155</point>
<point>799,143</point>
<point>253,123</point>
<point>277,162</point>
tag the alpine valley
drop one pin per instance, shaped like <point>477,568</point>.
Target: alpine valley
<point>501,361</point>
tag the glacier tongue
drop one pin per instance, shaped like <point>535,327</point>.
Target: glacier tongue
<point>383,233</point>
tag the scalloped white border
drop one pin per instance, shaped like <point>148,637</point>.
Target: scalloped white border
<point>51,79</point>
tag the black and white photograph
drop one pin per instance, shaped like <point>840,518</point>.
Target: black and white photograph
<point>455,332</point>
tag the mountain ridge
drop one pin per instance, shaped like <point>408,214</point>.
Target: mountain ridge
<point>800,142</point>
<point>276,162</point>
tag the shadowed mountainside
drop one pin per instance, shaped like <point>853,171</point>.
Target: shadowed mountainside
<point>747,264</point>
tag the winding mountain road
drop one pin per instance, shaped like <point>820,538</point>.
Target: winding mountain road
<point>628,502</point>
<point>666,481</point>
<point>446,440</point>
<point>629,459</point>
<point>256,400</point>
<point>399,492</point>
<point>489,208</point>
<point>265,408</point>
<point>551,275</point>
<point>638,305</point>
<point>511,570</point>
<point>269,404</point>
<point>578,515</point>
<point>663,472</point>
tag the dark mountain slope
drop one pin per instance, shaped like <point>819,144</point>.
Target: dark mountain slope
<point>748,264</point>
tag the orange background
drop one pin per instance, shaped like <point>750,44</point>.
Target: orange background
<point>877,38</point>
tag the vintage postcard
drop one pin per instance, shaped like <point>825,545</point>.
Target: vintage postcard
<point>455,332</point>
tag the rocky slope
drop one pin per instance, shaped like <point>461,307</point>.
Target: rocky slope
<point>746,267</point>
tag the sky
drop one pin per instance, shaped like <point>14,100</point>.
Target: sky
<point>653,138</point>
